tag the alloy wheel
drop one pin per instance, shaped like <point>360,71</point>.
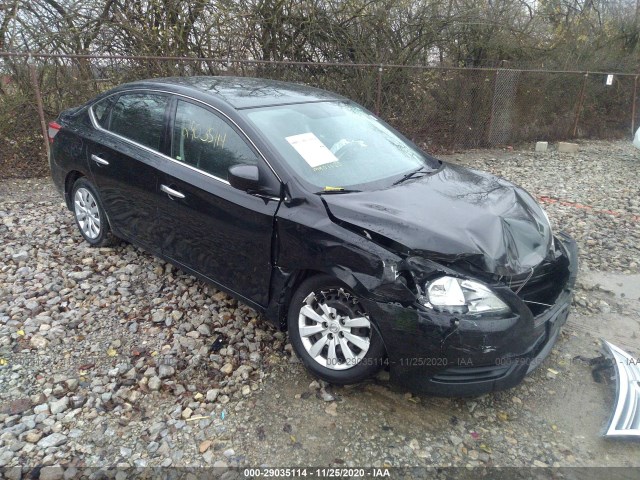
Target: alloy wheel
<point>87,213</point>
<point>334,329</point>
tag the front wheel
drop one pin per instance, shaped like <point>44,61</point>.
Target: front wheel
<point>332,334</point>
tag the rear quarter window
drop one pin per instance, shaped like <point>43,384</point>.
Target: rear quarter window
<point>102,110</point>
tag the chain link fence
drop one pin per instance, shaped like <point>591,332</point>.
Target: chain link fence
<point>441,109</point>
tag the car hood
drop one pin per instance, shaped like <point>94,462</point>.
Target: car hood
<point>454,213</point>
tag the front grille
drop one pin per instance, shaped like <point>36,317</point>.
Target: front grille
<point>546,282</point>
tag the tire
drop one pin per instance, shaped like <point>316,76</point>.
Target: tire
<point>357,352</point>
<point>90,216</point>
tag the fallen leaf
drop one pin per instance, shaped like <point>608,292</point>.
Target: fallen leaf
<point>20,332</point>
<point>484,448</point>
<point>112,352</point>
<point>503,416</point>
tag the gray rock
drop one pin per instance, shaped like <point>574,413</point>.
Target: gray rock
<point>53,440</point>
<point>72,384</point>
<point>21,256</point>
<point>70,473</point>
<point>13,473</point>
<point>212,394</point>
<point>51,473</point>
<point>38,342</point>
<point>33,436</point>
<point>204,330</point>
<point>42,408</point>
<point>32,305</point>
<point>6,456</point>
<point>255,357</point>
<point>16,445</point>
<point>59,406</point>
<point>208,456</point>
<point>79,276</point>
<point>154,383</point>
<point>156,428</point>
<point>165,371</point>
<point>78,401</point>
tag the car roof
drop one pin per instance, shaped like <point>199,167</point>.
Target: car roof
<point>243,92</point>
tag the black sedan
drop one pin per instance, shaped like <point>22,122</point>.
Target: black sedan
<point>305,206</point>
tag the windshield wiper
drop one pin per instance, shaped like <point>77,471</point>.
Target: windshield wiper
<point>335,191</point>
<point>411,174</point>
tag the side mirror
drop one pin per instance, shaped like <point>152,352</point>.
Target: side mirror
<point>244,177</point>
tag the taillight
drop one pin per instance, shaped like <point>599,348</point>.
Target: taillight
<point>54,128</point>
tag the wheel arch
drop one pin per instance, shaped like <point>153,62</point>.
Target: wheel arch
<point>310,273</point>
<point>297,277</point>
<point>285,283</point>
<point>71,178</point>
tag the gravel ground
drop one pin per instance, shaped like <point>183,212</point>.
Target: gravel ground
<point>111,357</point>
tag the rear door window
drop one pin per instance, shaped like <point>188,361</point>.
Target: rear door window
<point>205,141</point>
<point>139,117</point>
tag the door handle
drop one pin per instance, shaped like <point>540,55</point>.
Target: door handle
<point>171,192</point>
<point>98,160</point>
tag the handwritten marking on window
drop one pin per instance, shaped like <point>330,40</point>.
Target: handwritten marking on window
<point>197,132</point>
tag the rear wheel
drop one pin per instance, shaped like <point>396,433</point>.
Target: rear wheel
<point>89,214</point>
<point>331,332</point>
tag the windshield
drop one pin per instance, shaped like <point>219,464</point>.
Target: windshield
<point>338,145</point>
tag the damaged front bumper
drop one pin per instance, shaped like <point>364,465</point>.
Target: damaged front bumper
<point>446,354</point>
<point>625,421</point>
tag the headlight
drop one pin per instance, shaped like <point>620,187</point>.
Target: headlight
<point>546,216</point>
<point>455,295</point>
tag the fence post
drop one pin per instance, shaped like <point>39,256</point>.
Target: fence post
<point>39,105</point>
<point>379,92</point>
<point>493,103</point>
<point>633,106</point>
<point>580,103</point>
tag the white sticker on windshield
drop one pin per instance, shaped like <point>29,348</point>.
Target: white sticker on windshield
<point>314,152</point>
